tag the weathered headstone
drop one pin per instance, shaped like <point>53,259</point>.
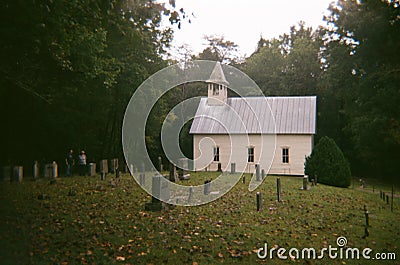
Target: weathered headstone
<point>233,168</point>
<point>366,216</point>
<point>366,231</point>
<point>263,174</point>
<point>48,170</point>
<point>160,191</point>
<point>6,173</point>
<point>54,170</point>
<point>190,193</point>
<point>160,188</point>
<point>92,169</point>
<point>258,178</point>
<point>113,165</point>
<point>278,189</point>
<point>207,187</point>
<point>172,173</point>
<point>142,179</point>
<point>103,169</point>
<point>160,167</point>
<point>219,167</point>
<point>258,201</point>
<point>305,180</point>
<point>18,173</point>
<point>143,167</point>
<point>183,164</point>
<point>35,170</point>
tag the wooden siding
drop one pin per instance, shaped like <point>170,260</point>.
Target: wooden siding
<point>299,146</point>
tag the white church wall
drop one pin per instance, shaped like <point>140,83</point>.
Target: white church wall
<point>234,149</point>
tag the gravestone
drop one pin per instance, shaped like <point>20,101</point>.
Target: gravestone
<point>258,200</point>
<point>113,165</point>
<point>48,170</point>
<point>160,167</point>
<point>35,170</point>
<point>190,193</point>
<point>18,173</point>
<point>278,189</point>
<point>305,180</point>
<point>183,164</point>
<point>233,168</point>
<point>207,187</point>
<point>159,189</point>
<point>143,167</point>
<point>172,173</point>
<point>142,179</point>
<point>6,173</point>
<point>258,178</point>
<point>103,169</point>
<point>54,170</point>
<point>263,174</point>
<point>92,169</point>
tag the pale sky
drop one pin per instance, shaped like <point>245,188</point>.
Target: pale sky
<point>244,21</point>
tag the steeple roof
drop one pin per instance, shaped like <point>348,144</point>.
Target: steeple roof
<point>217,76</point>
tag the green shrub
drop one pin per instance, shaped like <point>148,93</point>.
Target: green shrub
<point>328,163</point>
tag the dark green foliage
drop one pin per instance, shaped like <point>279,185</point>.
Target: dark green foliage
<point>68,70</point>
<point>328,163</point>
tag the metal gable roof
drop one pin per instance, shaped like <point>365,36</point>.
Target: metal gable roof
<point>253,115</point>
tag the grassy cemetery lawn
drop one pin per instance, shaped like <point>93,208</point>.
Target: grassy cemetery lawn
<point>83,220</point>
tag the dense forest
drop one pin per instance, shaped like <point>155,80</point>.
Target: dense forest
<point>69,68</point>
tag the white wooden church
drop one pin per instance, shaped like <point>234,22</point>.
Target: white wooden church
<point>286,139</point>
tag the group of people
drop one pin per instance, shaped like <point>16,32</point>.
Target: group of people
<point>70,163</point>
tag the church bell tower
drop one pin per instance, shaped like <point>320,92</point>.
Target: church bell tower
<point>217,87</point>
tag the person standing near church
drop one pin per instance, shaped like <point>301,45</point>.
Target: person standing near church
<point>69,162</point>
<point>82,160</point>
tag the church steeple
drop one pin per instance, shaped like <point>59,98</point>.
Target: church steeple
<point>217,86</point>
